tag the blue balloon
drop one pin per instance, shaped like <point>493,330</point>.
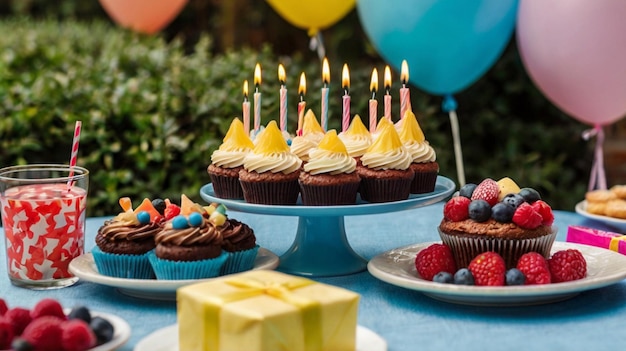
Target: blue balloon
<point>448,44</point>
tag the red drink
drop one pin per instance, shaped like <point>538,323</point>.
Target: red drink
<point>44,228</point>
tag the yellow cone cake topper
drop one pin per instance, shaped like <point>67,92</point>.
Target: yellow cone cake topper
<point>382,124</point>
<point>388,140</point>
<point>411,130</point>
<point>357,127</point>
<point>236,138</point>
<point>310,124</point>
<point>332,143</point>
<point>271,141</point>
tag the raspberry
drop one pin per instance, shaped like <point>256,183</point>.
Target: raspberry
<point>44,333</point>
<point>171,211</point>
<point>526,217</point>
<point>567,265</point>
<point>77,336</point>
<point>47,307</point>
<point>487,190</point>
<point>457,208</point>
<point>535,268</point>
<point>545,211</point>
<point>3,307</point>
<point>488,268</point>
<point>434,259</point>
<point>6,334</point>
<point>19,318</point>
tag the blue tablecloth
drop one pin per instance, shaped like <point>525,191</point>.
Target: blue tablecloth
<point>406,319</point>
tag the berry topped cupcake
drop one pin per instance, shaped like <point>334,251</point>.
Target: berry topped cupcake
<point>424,157</point>
<point>329,178</point>
<point>497,216</point>
<point>356,138</point>
<point>227,161</point>
<point>190,245</point>
<point>385,171</point>
<point>123,243</point>
<point>312,134</point>
<point>270,171</point>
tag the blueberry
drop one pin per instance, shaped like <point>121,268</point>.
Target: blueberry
<point>143,217</point>
<point>530,195</point>
<point>20,344</point>
<point>502,212</point>
<point>80,312</point>
<point>103,329</point>
<point>180,222</point>
<point>513,200</point>
<point>159,205</point>
<point>195,219</point>
<point>443,277</point>
<point>479,210</point>
<point>463,277</point>
<point>467,190</point>
<point>515,277</point>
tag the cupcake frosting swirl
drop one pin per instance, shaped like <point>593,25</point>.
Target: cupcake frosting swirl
<point>234,231</point>
<point>235,146</point>
<point>230,158</point>
<point>387,152</point>
<point>205,234</point>
<point>421,152</point>
<point>324,161</point>
<point>115,230</point>
<point>271,154</point>
<point>301,146</point>
<point>356,138</point>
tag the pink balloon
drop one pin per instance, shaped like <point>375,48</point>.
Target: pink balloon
<point>575,52</point>
<point>145,16</point>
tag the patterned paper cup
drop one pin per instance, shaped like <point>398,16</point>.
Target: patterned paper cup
<point>43,216</point>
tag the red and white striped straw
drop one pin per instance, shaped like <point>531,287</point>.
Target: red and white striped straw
<point>74,155</point>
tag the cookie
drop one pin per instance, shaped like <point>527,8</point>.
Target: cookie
<point>616,208</point>
<point>619,191</point>
<point>598,208</point>
<point>600,196</point>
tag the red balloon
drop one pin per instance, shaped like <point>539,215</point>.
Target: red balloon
<point>144,16</point>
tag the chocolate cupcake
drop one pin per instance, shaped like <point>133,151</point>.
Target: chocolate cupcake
<point>227,161</point>
<point>270,171</point>
<point>385,172</point>
<point>189,246</point>
<point>239,242</point>
<point>124,242</point>
<point>423,156</point>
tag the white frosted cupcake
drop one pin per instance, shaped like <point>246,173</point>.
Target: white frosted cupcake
<point>423,156</point>
<point>356,138</point>
<point>312,134</point>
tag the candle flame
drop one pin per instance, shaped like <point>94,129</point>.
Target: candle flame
<point>325,71</point>
<point>245,88</point>
<point>345,77</point>
<point>302,87</point>
<point>387,78</point>
<point>374,81</point>
<point>281,74</point>
<point>257,75</point>
<point>404,73</point>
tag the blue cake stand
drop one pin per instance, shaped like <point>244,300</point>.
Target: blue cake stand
<point>321,229</point>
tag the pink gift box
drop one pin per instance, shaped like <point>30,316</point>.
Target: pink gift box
<point>595,237</point>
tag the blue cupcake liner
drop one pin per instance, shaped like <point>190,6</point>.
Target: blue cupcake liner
<point>123,266</point>
<point>179,270</point>
<point>239,261</point>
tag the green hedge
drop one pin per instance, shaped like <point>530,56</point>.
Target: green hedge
<point>153,111</point>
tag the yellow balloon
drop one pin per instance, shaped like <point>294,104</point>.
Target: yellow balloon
<point>312,15</point>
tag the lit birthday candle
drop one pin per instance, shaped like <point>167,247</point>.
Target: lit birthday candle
<point>405,96</point>
<point>373,102</point>
<point>246,108</point>
<point>302,103</point>
<point>345,83</point>
<point>257,98</point>
<point>325,81</point>
<point>282,78</point>
<point>387,92</point>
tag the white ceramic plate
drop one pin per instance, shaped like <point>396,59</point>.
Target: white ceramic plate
<point>84,267</point>
<point>620,224</point>
<point>397,267</point>
<point>121,331</point>
<point>166,339</point>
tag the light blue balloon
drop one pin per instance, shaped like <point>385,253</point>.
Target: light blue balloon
<point>448,44</point>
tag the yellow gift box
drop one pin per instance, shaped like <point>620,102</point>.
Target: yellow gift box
<point>266,311</point>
